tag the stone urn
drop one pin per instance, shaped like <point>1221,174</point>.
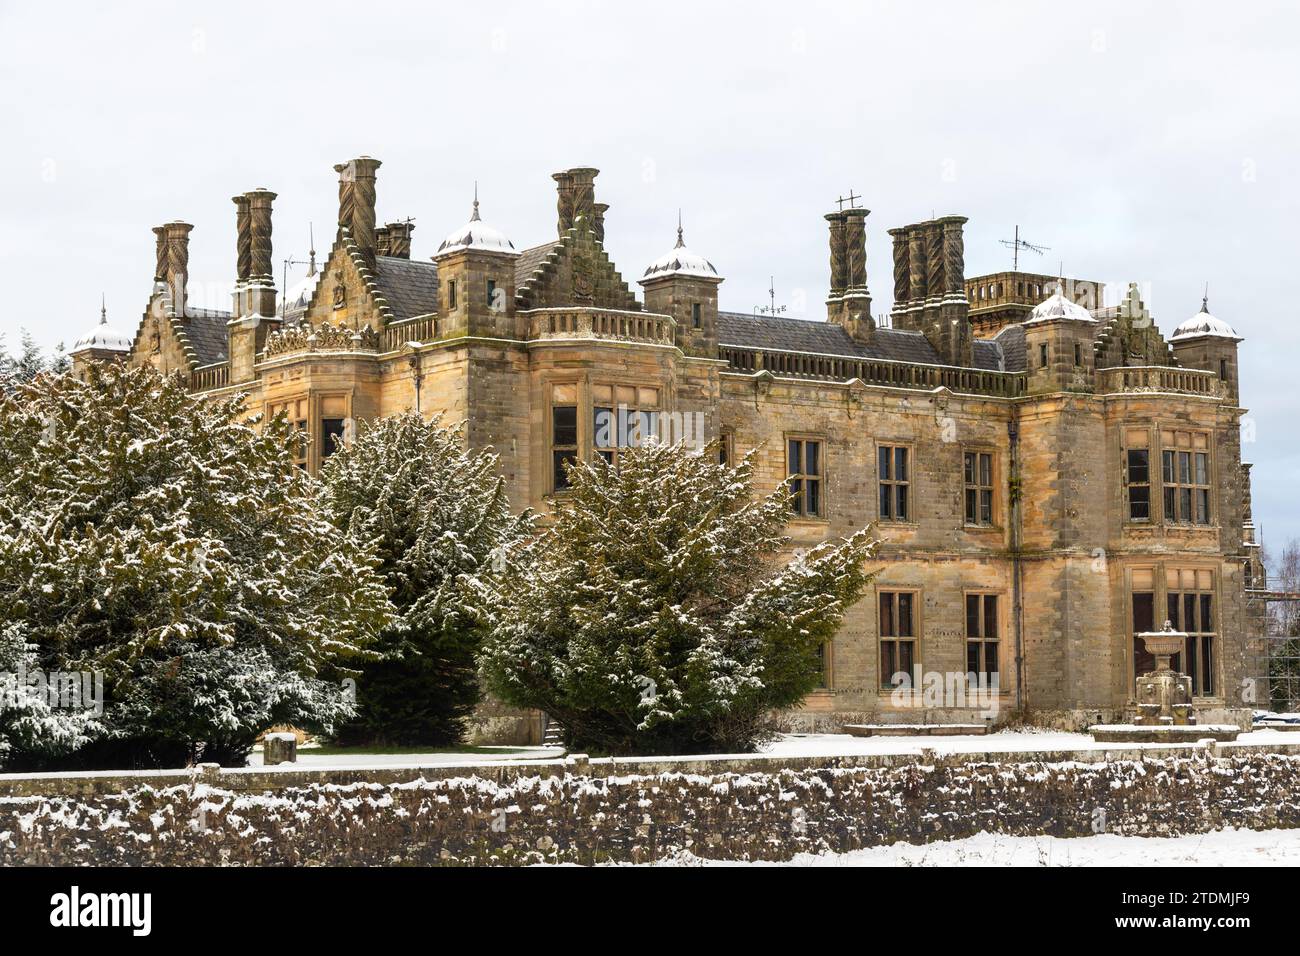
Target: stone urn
<point>1164,696</point>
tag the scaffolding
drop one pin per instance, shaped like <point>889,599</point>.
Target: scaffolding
<point>1274,665</point>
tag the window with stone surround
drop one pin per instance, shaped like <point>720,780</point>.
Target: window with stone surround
<point>727,447</point>
<point>623,416</point>
<point>804,465</point>
<point>983,631</point>
<point>564,432</point>
<point>894,472</point>
<point>897,635</point>
<point>1137,473</point>
<point>977,478</point>
<point>296,412</point>
<point>1189,604</point>
<point>1185,476</point>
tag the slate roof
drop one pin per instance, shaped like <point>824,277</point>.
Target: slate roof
<point>1011,339</point>
<point>206,330</point>
<point>825,338</point>
<point>987,355</point>
<point>530,260</point>
<point>409,285</point>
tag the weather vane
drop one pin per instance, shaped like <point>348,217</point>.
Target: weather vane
<point>772,309</point>
<point>1017,244</point>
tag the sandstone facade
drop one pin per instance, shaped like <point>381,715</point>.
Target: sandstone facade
<point>1047,478</point>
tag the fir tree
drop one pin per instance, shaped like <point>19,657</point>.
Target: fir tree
<point>434,513</point>
<point>171,545</point>
<point>653,614</point>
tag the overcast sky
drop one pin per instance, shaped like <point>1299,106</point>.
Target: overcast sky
<point>1142,142</point>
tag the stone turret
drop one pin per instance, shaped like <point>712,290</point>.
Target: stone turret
<point>476,280</point>
<point>684,284</point>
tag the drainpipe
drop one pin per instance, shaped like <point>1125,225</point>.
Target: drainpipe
<point>1017,591</point>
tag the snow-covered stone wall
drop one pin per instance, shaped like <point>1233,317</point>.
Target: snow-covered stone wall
<point>637,818</point>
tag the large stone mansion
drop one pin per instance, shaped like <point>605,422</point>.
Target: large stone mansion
<point>1048,476</point>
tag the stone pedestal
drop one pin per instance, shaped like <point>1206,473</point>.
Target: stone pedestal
<point>1164,696</point>
<point>279,748</point>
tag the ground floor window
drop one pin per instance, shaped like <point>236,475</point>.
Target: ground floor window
<point>897,635</point>
<point>1188,604</point>
<point>982,632</point>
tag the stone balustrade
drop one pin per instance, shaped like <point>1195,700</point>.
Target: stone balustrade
<point>1158,378</point>
<point>210,377</point>
<point>842,368</point>
<point>646,327</point>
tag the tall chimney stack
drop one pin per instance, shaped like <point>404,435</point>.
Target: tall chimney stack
<point>176,237</point>
<point>564,200</point>
<point>357,202</point>
<point>243,241</point>
<point>160,255</point>
<point>598,228</point>
<point>398,239</point>
<point>838,258</point>
<point>576,199</point>
<point>261,274</point>
<point>381,240</point>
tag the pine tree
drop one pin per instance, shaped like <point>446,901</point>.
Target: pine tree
<point>653,615</point>
<point>434,513</point>
<point>171,545</point>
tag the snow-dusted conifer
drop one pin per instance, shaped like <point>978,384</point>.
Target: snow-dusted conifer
<point>434,513</point>
<point>171,545</point>
<point>654,615</point>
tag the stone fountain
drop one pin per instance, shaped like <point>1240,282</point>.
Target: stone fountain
<point>1164,700</point>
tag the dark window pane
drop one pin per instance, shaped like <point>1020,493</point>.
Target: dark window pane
<point>564,425</point>
<point>1189,613</point>
<point>986,507</point>
<point>901,513</point>
<point>1203,506</point>
<point>986,470</point>
<point>886,501</point>
<point>1175,617</point>
<point>559,460</point>
<point>814,496</point>
<point>1184,504</point>
<point>905,615</point>
<point>1202,468</point>
<point>1167,467</point>
<point>969,468</point>
<point>1171,510</point>
<point>888,663</point>
<point>991,657</point>
<point>905,661</point>
<point>1207,664</point>
<point>1191,658</point>
<point>970,506</point>
<point>1139,503</point>
<point>972,615</point>
<point>1185,467</point>
<point>1144,616</point>
<point>812,455</point>
<point>882,464</point>
<point>794,457</point>
<point>1207,612</point>
<point>990,616</point>
<point>331,436</point>
<point>900,464</point>
<point>1139,470</point>
<point>972,657</point>
<point>887,615</point>
<point>796,503</point>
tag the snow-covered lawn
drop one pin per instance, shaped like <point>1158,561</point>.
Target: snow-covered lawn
<point>1221,848</point>
<point>788,745</point>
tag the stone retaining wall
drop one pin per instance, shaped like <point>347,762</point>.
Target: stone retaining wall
<point>584,816</point>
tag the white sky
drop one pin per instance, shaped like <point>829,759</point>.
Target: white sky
<point>1141,142</point>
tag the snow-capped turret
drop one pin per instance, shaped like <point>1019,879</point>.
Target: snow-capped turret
<point>103,337</point>
<point>1202,324</point>
<point>476,234</point>
<point>680,261</point>
<point>1059,307</point>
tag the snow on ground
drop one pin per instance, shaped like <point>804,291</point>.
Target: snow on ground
<point>788,745</point>
<point>1222,848</point>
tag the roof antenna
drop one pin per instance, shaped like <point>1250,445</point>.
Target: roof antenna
<point>1017,244</point>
